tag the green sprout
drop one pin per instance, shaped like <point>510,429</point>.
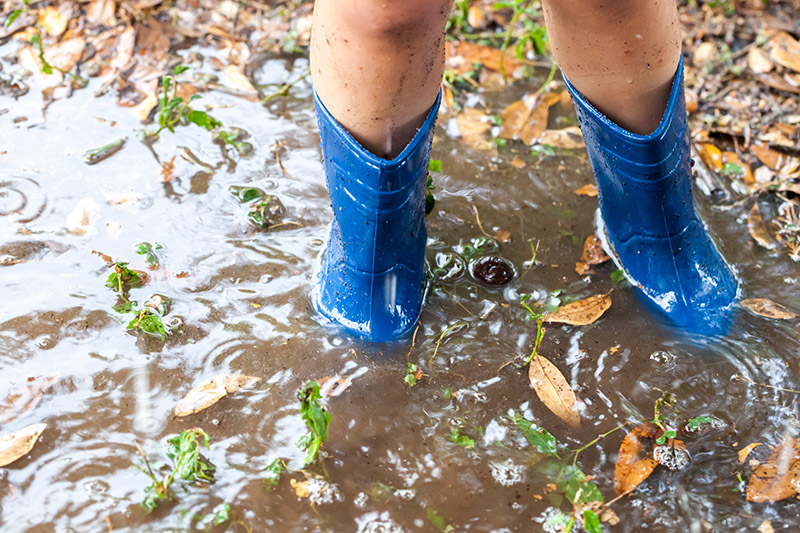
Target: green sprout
<point>317,419</point>
<point>462,440</point>
<point>274,471</point>
<point>188,467</point>
<point>149,252</point>
<point>413,374</point>
<point>123,279</point>
<point>538,316</point>
<point>149,320</point>
<point>434,165</point>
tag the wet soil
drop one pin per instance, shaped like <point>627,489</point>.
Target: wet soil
<point>242,298</point>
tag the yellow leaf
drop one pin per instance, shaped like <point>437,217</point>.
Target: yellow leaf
<point>18,444</point>
<point>779,477</point>
<point>211,391</point>
<point>744,452</point>
<point>581,312</point>
<point>590,189</point>
<point>767,308</point>
<point>569,138</point>
<point>635,460</point>
<point>553,390</point>
<point>711,156</point>
<point>52,20</point>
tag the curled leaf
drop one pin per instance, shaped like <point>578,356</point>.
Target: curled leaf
<point>758,230</point>
<point>779,477</point>
<point>593,254</point>
<point>635,461</point>
<point>569,138</point>
<point>553,390</point>
<point>590,189</point>
<point>18,444</point>
<point>211,391</point>
<point>581,312</point>
<point>744,452</point>
<point>767,308</point>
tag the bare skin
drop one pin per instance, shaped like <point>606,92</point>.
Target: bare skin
<point>620,54</point>
<point>377,65</point>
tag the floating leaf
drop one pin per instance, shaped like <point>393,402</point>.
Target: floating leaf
<point>538,437</point>
<point>767,308</point>
<point>211,391</point>
<point>711,156</point>
<point>590,189</point>
<point>744,452</point>
<point>18,444</point>
<point>473,126</point>
<point>237,81</point>
<point>779,477</point>
<point>635,461</point>
<point>553,390</point>
<point>526,119</point>
<point>581,312</point>
<point>593,254</point>
<point>24,399</point>
<point>569,138</point>
<point>758,230</point>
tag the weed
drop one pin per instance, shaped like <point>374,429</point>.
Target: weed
<point>532,31</point>
<point>317,419</point>
<point>274,471</point>
<point>123,279</point>
<point>149,252</point>
<point>413,374</point>
<point>437,521</point>
<point>434,165</point>
<point>537,315</point>
<point>462,440</point>
<point>188,466</point>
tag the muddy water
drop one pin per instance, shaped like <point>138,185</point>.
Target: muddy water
<point>241,300</point>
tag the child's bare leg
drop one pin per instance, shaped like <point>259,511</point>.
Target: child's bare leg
<point>620,54</point>
<point>377,66</point>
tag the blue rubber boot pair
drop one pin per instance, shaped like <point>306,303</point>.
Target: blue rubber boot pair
<point>373,270</point>
<point>649,219</point>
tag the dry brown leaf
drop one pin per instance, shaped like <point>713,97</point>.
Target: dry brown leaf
<point>526,119</point>
<point>300,488</point>
<point>766,527</point>
<point>772,158</point>
<point>758,230</point>
<point>711,156</point>
<point>593,254</point>
<point>236,80</point>
<point>553,390</point>
<point>758,61</point>
<point>635,461</point>
<point>123,50</point>
<point>704,54</point>
<point>502,235</point>
<point>779,477</point>
<point>590,189</point>
<point>142,109</point>
<point>581,312</point>
<point>26,398</point>
<point>778,82</point>
<point>744,452</point>
<point>66,54</point>
<point>477,18</point>
<point>767,308</point>
<point>52,20</point>
<point>211,391</point>
<point>570,138</point>
<point>18,444</point>
<point>462,54</point>
<point>101,12</point>
<point>692,100</point>
<point>517,163</point>
<point>785,51</point>
<point>473,125</point>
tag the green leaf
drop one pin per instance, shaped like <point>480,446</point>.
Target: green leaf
<point>437,521</point>
<point>246,194</point>
<point>430,201</point>
<point>538,437</point>
<point>668,434</point>
<point>732,170</point>
<point>274,471</point>
<point>180,69</point>
<point>411,372</point>
<point>461,440</point>
<point>149,252</point>
<point>695,423</point>
<point>13,16</point>
<point>591,522</point>
<point>317,419</point>
<point>435,165</point>
<point>222,513</point>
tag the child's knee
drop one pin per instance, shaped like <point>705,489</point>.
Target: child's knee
<point>395,20</point>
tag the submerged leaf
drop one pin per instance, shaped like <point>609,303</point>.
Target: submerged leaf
<point>635,461</point>
<point>744,452</point>
<point>581,312</point>
<point>24,399</point>
<point>211,391</point>
<point>18,444</point>
<point>758,230</point>
<point>767,308</point>
<point>569,138</point>
<point>553,390</point>
<point>779,477</point>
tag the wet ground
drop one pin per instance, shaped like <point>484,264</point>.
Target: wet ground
<point>240,303</point>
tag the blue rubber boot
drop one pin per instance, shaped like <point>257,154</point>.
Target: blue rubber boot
<point>373,270</point>
<point>649,218</point>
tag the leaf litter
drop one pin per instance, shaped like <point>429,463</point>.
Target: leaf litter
<point>211,391</point>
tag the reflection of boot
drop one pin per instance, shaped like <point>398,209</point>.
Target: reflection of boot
<point>373,270</point>
<point>651,225</point>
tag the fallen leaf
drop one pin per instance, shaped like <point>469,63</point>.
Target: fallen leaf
<point>124,47</point>
<point>101,12</point>
<point>476,17</point>
<point>79,220</point>
<point>462,54</point>
<point>590,189</point>
<point>25,398</point>
<point>767,308</point>
<point>142,109</point>
<point>758,230</point>
<point>236,80</point>
<point>581,312</point>
<point>778,82</point>
<point>211,391</point>
<point>553,390</point>
<point>473,125</point>
<point>704,54</point>
<point>300,488</point>
<point>733,157</point>
<point>526,119</point>
<point>692,100</point>
<point>772,158</point>
<point>593,253</point>
<point>569,138</point>
<point>765,527</point>
<point>18,444</point>
<point>65,54</point>
<point>502,235</point>
<point>635,461</point>
<point>744,452</point>
<point>711,156</point>
<point>779,477</point>
<point>785,51</point>
<point>517,163</point>
<point>52,20</point>
<point>758,61</point>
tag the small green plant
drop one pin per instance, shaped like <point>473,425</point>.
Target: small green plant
<point>188,466</point>
<point>274,471</point>
<point>434,165</point>
<point>532,31</point>
<point>149,251</point>
<point>461,439</point>
<point>437,521</point>
<point>317,419</point>
<point>413,375</point>
<point>149,319</point>
<point>36,40</point>
<point>667,400</point>
<point>537,315</point>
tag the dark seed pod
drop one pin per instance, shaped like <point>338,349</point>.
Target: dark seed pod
<point>492,270</point>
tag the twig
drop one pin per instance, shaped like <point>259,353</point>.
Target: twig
<point>740,378</point>
<point>413,340</point>
<point>276,149</point>
<point>283,90</point>
<point>478,220</point>
<point>595,441</point>
<point>460,323</point>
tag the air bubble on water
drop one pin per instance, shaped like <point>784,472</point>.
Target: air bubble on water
<point>405,494</point>
<point>378,523</point>
<point>507,473</point>
<point>662,356</point>
<point>361,500</point>
<point>671,457</point>
<point>323,492</point>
